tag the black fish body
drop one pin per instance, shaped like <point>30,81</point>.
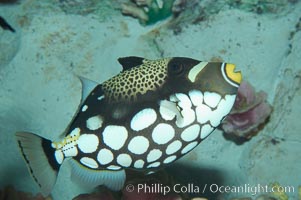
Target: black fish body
<point>144,118</point>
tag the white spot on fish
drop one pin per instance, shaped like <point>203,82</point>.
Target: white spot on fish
<point>212,99</point>
<point>143,119</point>
<point>124,160</point>
<point>196,97</point>
<point>216,118</point>
<point>169,159</point>
<point>115,136</point>
<point>153,155</point>
<point>189,147</point>
<point>184,101</point>
<point>168,110</point>
<point>223,108</point>
<point>69,150</point>
<point>185,115</point>
<point>206,130</point>
<point>88,143</point>
<point>163,133</point>
<point>173,147</point>
<point>113,167</point>
<point>155,164</point>
<point>75,132</point>
<point>203,113</point>
<point>105,156</point>
<point>94,123</point>
<point>89,162</point>
<point>138,145</point>
<point>225,105</point>
<point>173,98</point>
<point>101,97</point>
<point>139,164</point>
<point>59,156</point>
<point>191,133</point>
<point>196,70</point>
<point>84,108</point>
<point>186,118</point>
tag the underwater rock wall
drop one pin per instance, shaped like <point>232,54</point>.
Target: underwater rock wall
<point>9,43</point>
<point>55,40</point>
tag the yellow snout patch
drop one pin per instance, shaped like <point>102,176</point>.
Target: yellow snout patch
<point>232,75</point>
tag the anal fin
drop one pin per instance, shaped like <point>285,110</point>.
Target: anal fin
<point>114,180</point>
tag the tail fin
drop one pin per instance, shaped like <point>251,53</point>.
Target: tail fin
<point>39,156</point>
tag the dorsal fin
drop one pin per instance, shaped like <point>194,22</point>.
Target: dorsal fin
<point>130,62</point>
<point>87,87</point>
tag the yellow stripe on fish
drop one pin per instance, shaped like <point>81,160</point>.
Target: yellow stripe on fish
<point>144,118</point>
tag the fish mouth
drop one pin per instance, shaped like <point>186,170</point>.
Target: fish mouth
<point>234,76</point>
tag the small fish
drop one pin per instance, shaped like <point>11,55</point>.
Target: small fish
<point>5,25</point>
<point>144,118</point>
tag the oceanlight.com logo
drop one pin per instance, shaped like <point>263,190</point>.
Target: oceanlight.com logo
<point>251,189</point>
<point>158,188</point>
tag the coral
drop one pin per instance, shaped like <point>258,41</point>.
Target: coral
<point>178,6</point>
<point>278,192</point>
<point>250,111</point>
<point>152,11</point>
<point>134,11</point>
<point>265,197</point>
<point>9,193</point>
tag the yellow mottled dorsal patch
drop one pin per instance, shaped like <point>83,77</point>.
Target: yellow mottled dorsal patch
<point>71,138</point>
<point>136,81</point>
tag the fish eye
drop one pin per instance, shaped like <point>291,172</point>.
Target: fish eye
<point>176,68</point>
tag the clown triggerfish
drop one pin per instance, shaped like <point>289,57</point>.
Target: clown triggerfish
<point>144,118</point>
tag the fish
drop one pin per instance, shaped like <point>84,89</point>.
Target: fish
<point>143,119</point>
<point>5,25</point>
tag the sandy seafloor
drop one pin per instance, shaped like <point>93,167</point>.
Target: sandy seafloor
<point>40,93</point>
